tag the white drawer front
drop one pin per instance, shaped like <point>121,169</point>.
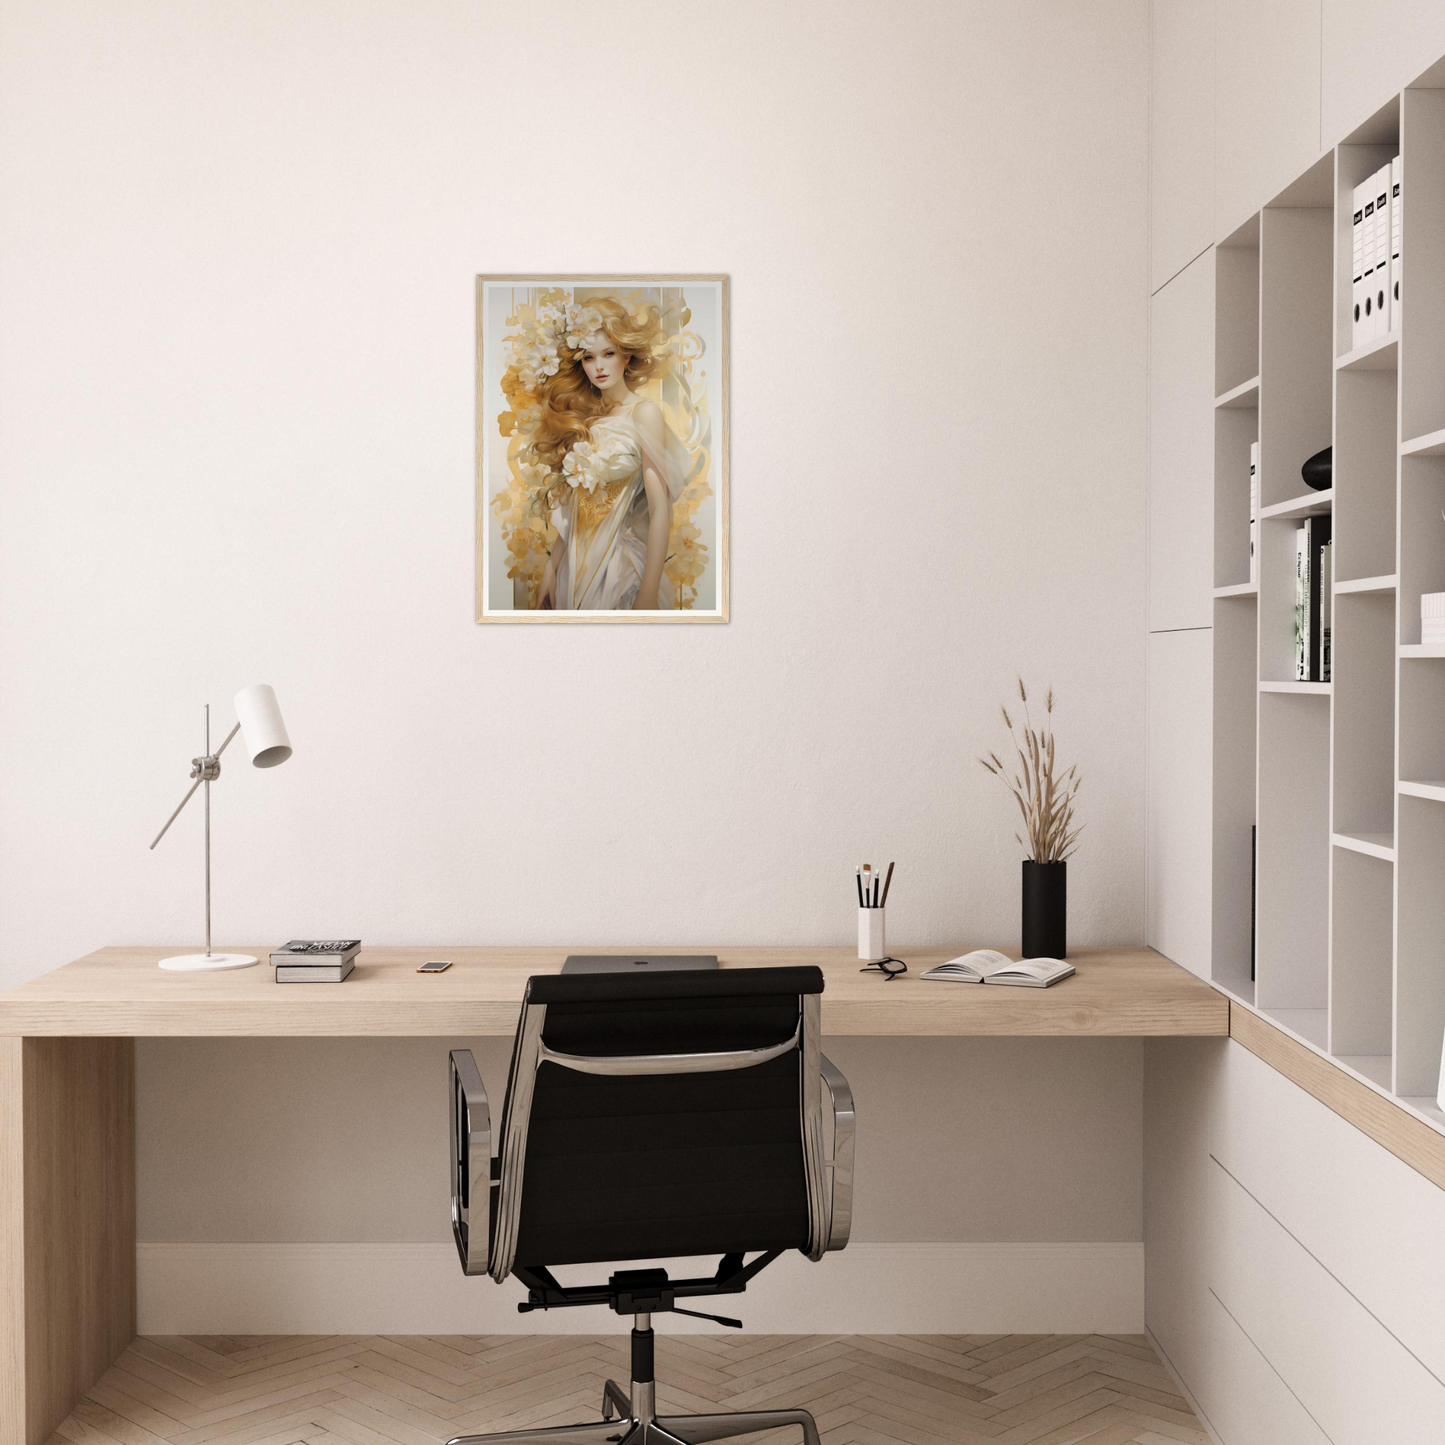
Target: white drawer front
<point>1371,1220</point>
<point>1359,1383</point>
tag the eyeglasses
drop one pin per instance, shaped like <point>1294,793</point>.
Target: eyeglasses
<point>890,968</point>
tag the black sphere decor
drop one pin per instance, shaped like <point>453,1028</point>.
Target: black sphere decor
<point>1046,909</point>
<point>1319,471</point>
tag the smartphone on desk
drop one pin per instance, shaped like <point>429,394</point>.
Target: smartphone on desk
<point>435,965</point>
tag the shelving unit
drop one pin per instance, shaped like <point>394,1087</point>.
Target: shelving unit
<point>1343,781</point>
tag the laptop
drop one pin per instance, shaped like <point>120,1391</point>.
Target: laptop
<point>637,962</point>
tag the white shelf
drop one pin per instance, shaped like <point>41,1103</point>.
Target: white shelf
<point>1308,1024</point>
<point>1312,504</point>
<point>1432,444</point>
<point>1435,792</point>
<point>1240,589</point>
<point>1366,584</point>
<point>1375,1068</point>
<point>1373,845</point>
<point>1244,397</point>
<point>1306,689</point>
<point>1422,649</point>
<point>1379,355</point>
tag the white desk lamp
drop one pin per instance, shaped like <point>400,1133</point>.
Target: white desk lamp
<point>258,720</point>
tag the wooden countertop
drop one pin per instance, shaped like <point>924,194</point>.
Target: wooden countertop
<point>119,991</point>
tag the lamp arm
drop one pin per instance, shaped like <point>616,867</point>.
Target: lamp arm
<point>227,743</point>
<point>202,774</point>
<point>177,813</point>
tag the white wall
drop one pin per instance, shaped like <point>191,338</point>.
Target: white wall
<point>237,255</point>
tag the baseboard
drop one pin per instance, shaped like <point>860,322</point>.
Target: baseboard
<point>306,1289</point>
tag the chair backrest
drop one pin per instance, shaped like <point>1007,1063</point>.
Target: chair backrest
<point>664,1115</point>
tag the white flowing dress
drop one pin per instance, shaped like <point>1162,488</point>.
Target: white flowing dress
<point>603,533</point>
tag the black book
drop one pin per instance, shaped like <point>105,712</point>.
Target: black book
<point>314,951</point>
<point>1253,892</point>
<point>1317,534</point>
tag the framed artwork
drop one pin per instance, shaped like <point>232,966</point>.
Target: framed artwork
<point>602,424</point>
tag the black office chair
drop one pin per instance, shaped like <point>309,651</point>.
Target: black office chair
<point>650,1117</point>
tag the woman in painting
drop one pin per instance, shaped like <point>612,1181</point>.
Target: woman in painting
<point>613,468</point>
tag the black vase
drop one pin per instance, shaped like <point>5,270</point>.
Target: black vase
<point>1046,909</point>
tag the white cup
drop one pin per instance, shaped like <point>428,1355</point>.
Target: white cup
<point>871,946</point>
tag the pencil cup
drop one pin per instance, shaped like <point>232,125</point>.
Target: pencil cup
<point>870,934</point>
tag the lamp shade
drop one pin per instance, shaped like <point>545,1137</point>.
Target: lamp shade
<point>262,730</point>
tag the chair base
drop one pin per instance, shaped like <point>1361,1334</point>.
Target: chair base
<point>640,1427</point>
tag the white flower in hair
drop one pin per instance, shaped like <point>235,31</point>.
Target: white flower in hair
<point>582,322</point>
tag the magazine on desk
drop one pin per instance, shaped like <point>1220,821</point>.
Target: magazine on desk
<point>988,965</point>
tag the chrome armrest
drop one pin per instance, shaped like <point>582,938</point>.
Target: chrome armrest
<point>840,1166</point>
<point>471,1126</point>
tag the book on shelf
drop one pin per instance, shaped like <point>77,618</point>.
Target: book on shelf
<point>1301,606</point>
<point>988,965</point>
<point>1310,610</point>
<point>316,952</point>
<point>1254,514</point>
<point>1253,892</point>
<point>1396,227</point>
<point>314,972</point>
<point>1326,606</point>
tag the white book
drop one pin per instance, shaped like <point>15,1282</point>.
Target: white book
<point>1301,605</point>
<point>1396,227</point>
<point>1357,268</point>
<point>988,965</point>
<point>1327,571</point>
<point>1382,251</point>
<point>1254,513</point>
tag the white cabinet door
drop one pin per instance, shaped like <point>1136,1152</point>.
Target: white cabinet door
<point>1181,450</point>
<point>1178,900</point>
<point>1181,134</point>
<point>1370,52</point>
<point>1266,103</point>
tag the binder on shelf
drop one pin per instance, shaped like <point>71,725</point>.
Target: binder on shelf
<point>1396,226</point>
<point>1254,513</point>
<point>1357,268</point>
<point>1367,318</point>
<point>1382,252</point>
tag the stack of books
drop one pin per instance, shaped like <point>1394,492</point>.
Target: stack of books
<point>315,960</point>
<point>1432,618</point>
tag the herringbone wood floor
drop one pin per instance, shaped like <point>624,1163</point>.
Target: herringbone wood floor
<point>418,1390</point>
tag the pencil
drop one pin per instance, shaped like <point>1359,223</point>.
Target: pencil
<point>887,883</point>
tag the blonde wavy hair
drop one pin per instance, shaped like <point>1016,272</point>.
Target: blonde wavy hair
<point>570,403</point>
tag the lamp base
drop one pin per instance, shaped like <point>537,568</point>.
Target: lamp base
<point>207,962</point>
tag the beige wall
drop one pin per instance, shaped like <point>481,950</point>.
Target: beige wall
<point>345,1139</point>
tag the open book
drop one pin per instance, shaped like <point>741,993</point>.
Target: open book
<point>987,965</point>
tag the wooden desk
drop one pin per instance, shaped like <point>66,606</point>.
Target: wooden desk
<point>67,1092</point>
<point>119,992</point>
